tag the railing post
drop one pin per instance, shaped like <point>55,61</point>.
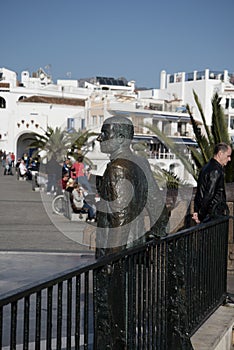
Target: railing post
<point>177,318</point>
<point>110,307</point>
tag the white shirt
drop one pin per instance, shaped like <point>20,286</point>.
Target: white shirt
<point>22,169</point>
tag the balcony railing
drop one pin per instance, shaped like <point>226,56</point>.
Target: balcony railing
<point>171,286</point>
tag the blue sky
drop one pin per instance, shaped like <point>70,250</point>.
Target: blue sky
<point>134,39</point>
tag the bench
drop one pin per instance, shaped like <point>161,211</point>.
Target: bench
<point>82,215</point>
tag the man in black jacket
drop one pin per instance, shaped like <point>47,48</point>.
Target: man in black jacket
<point>211,185</point>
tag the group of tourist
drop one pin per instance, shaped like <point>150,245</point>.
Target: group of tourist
<point>78,172</point>
<point>75,180</point>
<point>8,162</point>
<point>69,176</point>
<point>26,165</point>
<point>23,166</point>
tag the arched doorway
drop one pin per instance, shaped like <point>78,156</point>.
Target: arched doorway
<point>23,144</point>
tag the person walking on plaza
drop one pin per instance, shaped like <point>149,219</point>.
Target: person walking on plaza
<point>53,170</point>
<point>8,165</point>
<point>211,185</point>
<point>12,159</point>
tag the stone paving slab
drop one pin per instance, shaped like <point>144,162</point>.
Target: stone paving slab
<point>23,269</point>
<point>27,221</point>
<point>216,332</point>
<point>34,242</point>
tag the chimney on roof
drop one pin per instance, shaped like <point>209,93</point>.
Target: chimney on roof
<point>163,80</point>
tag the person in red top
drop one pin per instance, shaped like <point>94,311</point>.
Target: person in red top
<point>78,168</point>
<point>64,181</point>
<point>12,159</point>
<point>62,184</point>
<point>78,173</point>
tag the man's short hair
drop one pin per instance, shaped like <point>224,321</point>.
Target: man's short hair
<point>121,125</point>
<point>222,146</point>
<point>80,158</point>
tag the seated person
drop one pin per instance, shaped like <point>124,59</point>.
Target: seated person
<point>23,171</point>
<point>79,204</point>
<point>62,184</point>
<point>70,185</point>
<point>64,181</point>
<point>33,164</point>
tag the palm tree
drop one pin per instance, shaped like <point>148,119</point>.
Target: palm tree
<point>79,143</point>
<point>60,144</point>
<point>55,143</point>
<point>178,150</point>
<point>165,179</point>
<point>218,132</point>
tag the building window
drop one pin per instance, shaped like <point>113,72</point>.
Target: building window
<point>171,78</point>
<point>155,122</point>
<point>2,102</point>
<point>189,76</point>
<point>166,128</point>
<point>182,128</point>
<point>94,120</point>
<point>232,122</point>
<point>229,102</point>
<point>156,106</point>
<point>70,124</point>
<point>82,124</point>
<point>201,75</point>
<point>101,119</point>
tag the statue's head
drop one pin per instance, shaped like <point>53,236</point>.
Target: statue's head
<point>117,132</point>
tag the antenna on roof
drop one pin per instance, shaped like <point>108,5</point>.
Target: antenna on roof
<point>48,68</point>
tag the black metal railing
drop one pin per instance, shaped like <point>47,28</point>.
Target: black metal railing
<point>171,287</point>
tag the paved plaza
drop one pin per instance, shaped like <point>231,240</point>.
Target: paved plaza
<point>34,242</point>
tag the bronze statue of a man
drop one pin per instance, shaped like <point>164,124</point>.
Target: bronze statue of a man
<point>127,190</point>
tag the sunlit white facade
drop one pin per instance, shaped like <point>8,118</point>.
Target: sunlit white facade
<point>206,83</point>
<point>31,104</point>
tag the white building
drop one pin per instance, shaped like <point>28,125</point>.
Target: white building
<point>180,86</point>
<point>32,104</point>
<point>29,106</point>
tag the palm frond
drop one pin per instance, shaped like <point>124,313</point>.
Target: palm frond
<point>167,179</point>
<point>178,150</point>
<point>219,125</point>
<point>208,133</point>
